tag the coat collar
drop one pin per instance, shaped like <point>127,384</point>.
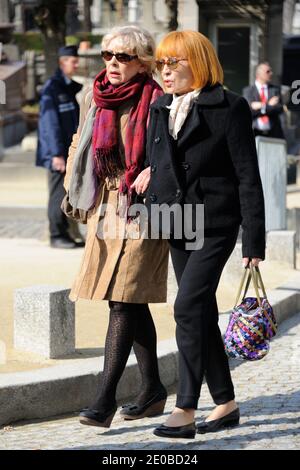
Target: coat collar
<point>73,87</point>
<point>209,96</point>
<point>271,91</point>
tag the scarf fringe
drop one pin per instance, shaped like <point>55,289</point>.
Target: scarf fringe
<point>125,199</point>
<point>108,162</point>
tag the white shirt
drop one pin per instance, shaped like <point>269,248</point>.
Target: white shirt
<point>179,109</point>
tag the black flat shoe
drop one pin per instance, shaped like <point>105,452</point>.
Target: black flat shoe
<point>228,421</point>
<point>188,431</point>
<point>96,418</point>
<point>153,407</point>
<point>62,243</point>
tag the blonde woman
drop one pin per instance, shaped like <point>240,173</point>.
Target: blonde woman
<point>106,158</point>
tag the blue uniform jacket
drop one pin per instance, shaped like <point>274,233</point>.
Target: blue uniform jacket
<point>59,117</point>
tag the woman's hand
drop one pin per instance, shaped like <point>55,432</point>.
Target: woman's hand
<point>254,261</point>
<point>141,182</point>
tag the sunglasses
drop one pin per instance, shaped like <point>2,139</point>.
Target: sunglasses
<point>121,57</point>
<point>171,62</point>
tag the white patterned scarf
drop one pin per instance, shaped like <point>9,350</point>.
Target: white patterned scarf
<point>179,109</point>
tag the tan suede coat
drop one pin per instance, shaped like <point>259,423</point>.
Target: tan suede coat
<point>124,270</point>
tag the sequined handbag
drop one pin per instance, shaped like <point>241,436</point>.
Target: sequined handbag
<point>252,323</point>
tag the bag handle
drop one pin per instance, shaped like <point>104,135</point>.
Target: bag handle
<point>241,285</point>
<point>260,281</point>
<point>255,275</point>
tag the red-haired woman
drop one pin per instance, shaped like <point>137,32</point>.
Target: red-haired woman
<point>201,150</point>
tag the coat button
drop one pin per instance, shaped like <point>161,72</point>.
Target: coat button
<point>178,193</point>
<point>153,168</point>
<point>153,197</point>
<point>186,166</point>
<point>157,140</point>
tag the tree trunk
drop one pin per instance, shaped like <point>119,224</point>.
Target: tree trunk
<point>50,18</point>
<point>4,11</point>
<point>172,14</point>
<point>87,22</point>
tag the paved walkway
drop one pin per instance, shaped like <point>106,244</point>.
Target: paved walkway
<point>268,393</point>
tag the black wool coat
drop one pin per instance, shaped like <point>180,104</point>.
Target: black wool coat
<point>213,162</point>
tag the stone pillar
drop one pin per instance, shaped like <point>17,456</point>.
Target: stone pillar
<point>96,12</point>
<point>274,20</point>
<point>281,246</point>
<point>19,18</point>
<point>4,11</point>
<point>272,166</point>
<point>133,11</point>
<point>44,321</point>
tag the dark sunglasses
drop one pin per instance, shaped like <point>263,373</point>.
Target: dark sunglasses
<point>171,62</point>
<point>121,57</point>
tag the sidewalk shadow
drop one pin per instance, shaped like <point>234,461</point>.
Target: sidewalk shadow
<point>83,353</point>
<point>236,438</point>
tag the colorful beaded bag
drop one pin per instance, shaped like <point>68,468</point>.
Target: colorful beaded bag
<point>252,323</point>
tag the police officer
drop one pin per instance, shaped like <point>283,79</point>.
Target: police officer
<point>59,116</point>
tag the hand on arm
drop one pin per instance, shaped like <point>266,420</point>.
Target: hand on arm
<point>141,183</point>
<point>256,105</point>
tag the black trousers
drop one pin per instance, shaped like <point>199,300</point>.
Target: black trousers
<point>58,223</point>
<point>199,340</point>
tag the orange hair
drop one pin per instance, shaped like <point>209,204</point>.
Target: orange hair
<point>198,50</point>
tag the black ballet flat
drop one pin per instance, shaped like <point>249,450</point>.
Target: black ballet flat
<point>96,418</point>
<point>229,421</point>
<point>153,407</point>
<point>188,431</point>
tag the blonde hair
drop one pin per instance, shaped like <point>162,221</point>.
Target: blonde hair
<point>200,53</point>
<point>134,40</point>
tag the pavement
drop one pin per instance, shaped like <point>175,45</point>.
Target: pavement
<point>267,391</point>
<point>27,259</point>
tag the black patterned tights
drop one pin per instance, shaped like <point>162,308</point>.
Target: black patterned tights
<point>129,325</point>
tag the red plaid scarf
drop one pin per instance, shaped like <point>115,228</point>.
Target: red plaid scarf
<point>107,159</point>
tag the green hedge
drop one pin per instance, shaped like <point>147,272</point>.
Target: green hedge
<point>32,40</point>
<point>28,41</point>
<point>95,39</point>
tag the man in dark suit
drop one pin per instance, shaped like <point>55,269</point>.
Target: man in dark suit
<point>265,103</point>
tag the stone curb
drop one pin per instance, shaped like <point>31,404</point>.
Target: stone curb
<point>70,386</point>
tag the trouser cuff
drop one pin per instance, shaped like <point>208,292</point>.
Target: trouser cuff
<point>187,401</point>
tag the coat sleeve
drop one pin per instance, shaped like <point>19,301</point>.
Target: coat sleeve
<point>50,126</point>
<point>242,148</point>
<point>72,150</point>
<point>148,139</point>
<point>156,94</point>
<point>277,108</point>
<point>247,93</point>
<point>84,106</point>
